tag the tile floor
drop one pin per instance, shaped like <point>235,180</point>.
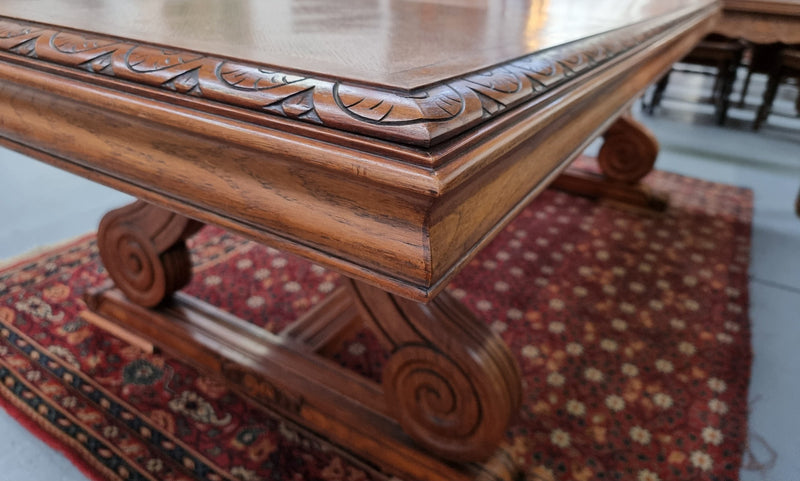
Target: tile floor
<point>40,206</point>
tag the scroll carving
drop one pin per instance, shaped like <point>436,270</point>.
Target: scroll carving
<point>143,249</point>
<point>420,117</point>
<point>450,381</point>
<point>629,151</point>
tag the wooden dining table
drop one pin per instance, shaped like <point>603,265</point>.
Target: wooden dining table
<point>761,21</point>
<point>387,140</point>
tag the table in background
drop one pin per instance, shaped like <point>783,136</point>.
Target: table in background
<point>761,21</point>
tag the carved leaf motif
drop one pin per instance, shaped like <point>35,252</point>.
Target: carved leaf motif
<point>298,105</point>
<point>149,59</point>
<point>185,83</point>
<point>70,43</point>
<point>497,80</point>
<point>27,48</point>
<point>499,88</point>
<point>439,103</point>
<point>543,69</point>
<point>11,30</point>
<point>577,62</point>
<point>252,78</point>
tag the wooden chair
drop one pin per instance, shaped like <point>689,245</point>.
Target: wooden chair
<point>759,59</point>
<point>722,53</point>
<point>788,66</point>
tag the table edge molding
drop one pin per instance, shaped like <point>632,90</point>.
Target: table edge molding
<point>421,117</point>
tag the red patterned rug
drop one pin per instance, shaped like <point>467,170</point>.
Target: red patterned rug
<point>631,330</point>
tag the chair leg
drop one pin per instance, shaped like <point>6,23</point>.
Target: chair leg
<point>725,93</point>
<point>797,100</point>
<point>658,92</point>
<point>745,87</point>
<point>769,98</point>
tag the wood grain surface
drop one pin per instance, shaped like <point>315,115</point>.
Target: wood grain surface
<point>403,44</point>
<point>424,116</point>
<point>401,218</point>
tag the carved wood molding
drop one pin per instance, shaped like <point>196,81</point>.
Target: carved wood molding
<point>422,117</point>
<point>450,381</point>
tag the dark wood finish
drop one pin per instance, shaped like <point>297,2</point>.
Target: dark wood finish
<point>362,149</point>
<point>762,59</point>
<point>767,24</point>
<point>787,66</point>
<point>277,373</point>
<point>797,204</point>
<point>723,54</point>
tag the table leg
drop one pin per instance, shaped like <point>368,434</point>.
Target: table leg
<point>143,249</point>
<point>450,384</point>
<point>628,154</point>
<point>450,381</point>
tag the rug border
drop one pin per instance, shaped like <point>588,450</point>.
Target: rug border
<point>42,251</point>
<point>30,424</point>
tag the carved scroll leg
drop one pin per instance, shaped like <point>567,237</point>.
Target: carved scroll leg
<point>450,382</point>
<point>142,247</point>
<point>628,153</point>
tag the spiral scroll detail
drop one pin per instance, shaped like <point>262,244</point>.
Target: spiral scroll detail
<point>628,153</point>
<point>435,400</point>
<point>146,270</point>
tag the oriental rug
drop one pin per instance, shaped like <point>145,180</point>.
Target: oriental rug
<point>630,328</point>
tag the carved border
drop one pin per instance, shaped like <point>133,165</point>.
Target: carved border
<point>418,118</point>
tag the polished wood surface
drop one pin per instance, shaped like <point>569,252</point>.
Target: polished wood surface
<point>389,141</point>
<point>280,374</point>
<point>403,44</point>
<point>424,116</point>
<point>143,249</point>
<point>627,155</point>
<point>402,218</point>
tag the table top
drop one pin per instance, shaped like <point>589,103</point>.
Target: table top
<point>405,44</point>
<point>389,140</point>
<point>406,70</point>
